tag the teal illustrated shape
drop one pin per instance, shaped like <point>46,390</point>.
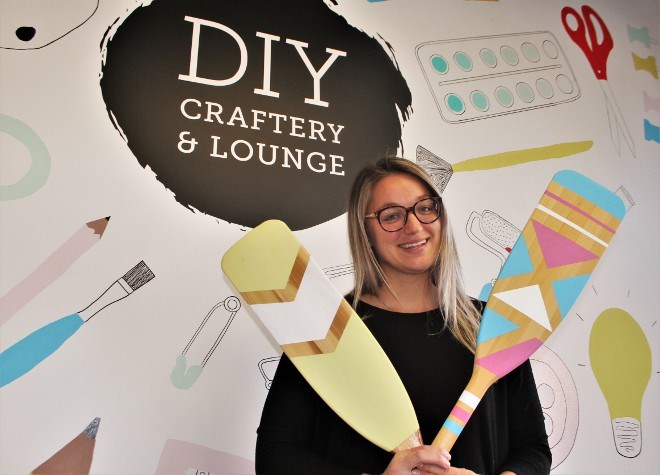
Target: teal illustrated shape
<point>518,261</point>
<point>493,325</point>
<point>530,52</point>
<point>455,103</point>
<point>27,353</point>
<point>488,57</point>
<point>463,61</point>
<point>439,64</point>
<point>504,96</point>
<point>509,54</point>
<point>479,100</point>
<point>183,378</point>
<point>651,132</point>
<point>39,170</point>
<point>485,291</point>
<point>525,92</point>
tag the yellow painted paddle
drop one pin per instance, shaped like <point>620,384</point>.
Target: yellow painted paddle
<point>322,335</point>
<point>543,276</point>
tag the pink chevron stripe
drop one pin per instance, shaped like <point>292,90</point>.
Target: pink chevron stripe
<point>460,413</point>
<point>583,213</point>
<point>504,361</point>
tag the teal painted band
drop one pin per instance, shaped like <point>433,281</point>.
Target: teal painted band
<point>453,426</point>
<point>594,192</point>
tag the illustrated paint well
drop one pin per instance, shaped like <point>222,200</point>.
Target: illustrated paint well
<point>550,49</point>
<point>564,84</point>
<point>509,54</point>
<point>455,103</point>
<point>463,61</point>
<point>479,101</point>
<point>472,69</point>
<point>525,92</point>
<point>439,64</point>
<point>504,96</point>
<point>545,88</point>
<point>488,57</point>
<point>530,52</point>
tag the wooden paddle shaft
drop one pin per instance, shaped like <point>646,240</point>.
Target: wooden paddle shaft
<point>479,383</point>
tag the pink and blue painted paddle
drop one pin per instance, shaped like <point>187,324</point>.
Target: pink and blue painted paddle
<point>543,276</point>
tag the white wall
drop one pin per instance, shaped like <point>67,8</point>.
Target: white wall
<point>118,366</point>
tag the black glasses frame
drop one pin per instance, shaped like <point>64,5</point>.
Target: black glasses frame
<point>411,209</point>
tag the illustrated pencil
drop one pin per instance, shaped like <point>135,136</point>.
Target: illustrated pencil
<point>52,268</point>
<point>74,457</point>
<point>25,354</point>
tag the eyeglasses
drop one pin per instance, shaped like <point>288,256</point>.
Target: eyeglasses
<point>394,218</point>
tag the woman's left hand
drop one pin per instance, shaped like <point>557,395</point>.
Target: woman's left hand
<point>422,460</point>
<point>459,471</point>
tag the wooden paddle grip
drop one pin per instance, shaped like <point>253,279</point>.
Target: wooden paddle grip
<point>479,383</point>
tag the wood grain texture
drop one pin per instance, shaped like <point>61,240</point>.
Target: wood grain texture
<point>287,293</point>
<point>330,342</point>
<point>551,262</point>
<point>343,362</point>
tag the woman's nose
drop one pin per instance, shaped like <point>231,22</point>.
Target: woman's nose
<point>413,224</point>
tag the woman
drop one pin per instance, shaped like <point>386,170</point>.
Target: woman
<point>409,291</point>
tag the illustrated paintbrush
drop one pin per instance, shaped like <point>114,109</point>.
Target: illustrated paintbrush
<point>322,335</point>
<point>441,171</point>
<point>549,265</point>
<point>25,354</point>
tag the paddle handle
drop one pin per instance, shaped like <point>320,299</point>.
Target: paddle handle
<point>479,383</point>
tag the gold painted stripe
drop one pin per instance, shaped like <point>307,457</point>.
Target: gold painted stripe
<point>414,440</point>
<point>465,407</point>
<point>571,224</point>
<point>529,328</point>
<point>331,340</point>
<point>573,233</point>
<point>289,292</point>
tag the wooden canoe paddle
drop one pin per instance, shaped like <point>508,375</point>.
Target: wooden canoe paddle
<point>548,267</point>
<point>322,335</point>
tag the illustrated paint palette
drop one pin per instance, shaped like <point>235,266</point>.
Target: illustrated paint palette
<point>489,76</point>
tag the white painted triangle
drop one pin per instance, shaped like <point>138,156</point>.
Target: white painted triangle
<point>529,301</point>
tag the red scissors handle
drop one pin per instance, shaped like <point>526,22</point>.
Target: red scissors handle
<point>595,52</point>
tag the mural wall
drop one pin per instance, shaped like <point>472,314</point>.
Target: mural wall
<point>141,139</point>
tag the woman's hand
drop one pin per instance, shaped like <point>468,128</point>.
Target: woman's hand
<point>422,460</point>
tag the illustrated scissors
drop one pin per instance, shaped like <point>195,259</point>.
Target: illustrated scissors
<point>597,53</point>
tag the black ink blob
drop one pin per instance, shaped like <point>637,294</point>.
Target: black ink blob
<point>280,157</point>
<point>25,33</point>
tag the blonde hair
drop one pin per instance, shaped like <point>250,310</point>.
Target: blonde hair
<point>461,316</point>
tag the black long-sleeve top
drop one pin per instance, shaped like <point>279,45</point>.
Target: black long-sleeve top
<point>300,434</point>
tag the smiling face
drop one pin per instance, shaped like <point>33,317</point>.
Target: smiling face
<point>412,250</point>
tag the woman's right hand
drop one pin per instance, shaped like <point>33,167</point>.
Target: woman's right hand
<point>422,460</point>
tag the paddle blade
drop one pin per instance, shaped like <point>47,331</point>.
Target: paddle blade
<point>322,335</point>
<point>548,267</point>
